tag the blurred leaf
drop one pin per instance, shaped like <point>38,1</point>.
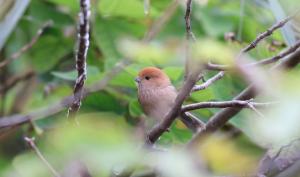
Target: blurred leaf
<point>101,102</point>
<point>205,51</point>
<point>73,6</point>
<point>41,12</point>
<point>93,75</point>
<point>135,109</point>
<point>128,8</point>
<point>214,22</point>
<point>218,151</point>
<point>108,32</point>
<point>152,53</point>
<point>50,49</point>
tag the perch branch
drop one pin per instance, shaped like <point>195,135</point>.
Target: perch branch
<point>27,46</point>
<point>30,142</point>
<point>82,49</point>
<point>160,128</point>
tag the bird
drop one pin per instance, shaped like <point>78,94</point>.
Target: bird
<point>156,95</point>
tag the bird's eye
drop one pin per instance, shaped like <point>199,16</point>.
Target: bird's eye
<point>147,77</point>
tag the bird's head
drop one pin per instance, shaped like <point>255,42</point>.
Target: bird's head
<point>151,78</point>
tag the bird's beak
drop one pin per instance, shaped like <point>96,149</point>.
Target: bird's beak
<point>137,79</point>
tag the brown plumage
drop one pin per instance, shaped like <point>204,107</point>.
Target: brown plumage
<point>156,93</point>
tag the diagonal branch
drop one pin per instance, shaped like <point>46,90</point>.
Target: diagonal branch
<point>267,33</point>
<point>273,59</point>
<point>30,142</point>
<point>160,128</point>
<point>27,46</point>
<point>83,45</point>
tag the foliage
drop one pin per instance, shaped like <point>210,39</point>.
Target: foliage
<point>108,138</point>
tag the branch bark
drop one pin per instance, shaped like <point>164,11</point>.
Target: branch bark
<point>83,45</point>
<point>30,142</point>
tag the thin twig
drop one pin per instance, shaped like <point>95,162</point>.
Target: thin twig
<point>191,121</point>
<point>187,17</point>
<point>281,55</point>
<point>27,46</point>
<point>30,142</point>
<point>288,51</point>
<point>224,104</point>
<point>82,49</point>
<point>268,32</point>
<point>210,81</point>
<point>14,80</point>
<point>158,24</point>
<point>189,37</point>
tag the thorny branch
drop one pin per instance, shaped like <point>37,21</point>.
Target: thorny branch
<point>30,142</point>
<point>27,46</point>
<point>83,45</point>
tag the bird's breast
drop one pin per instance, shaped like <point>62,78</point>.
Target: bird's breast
<point>156,103</point>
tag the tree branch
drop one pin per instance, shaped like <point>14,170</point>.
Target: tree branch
<point>267,33</point>
<point>224,104</point>
<point>83,45</point>
<point>30,142</point>
<point>14,80</point>
<point>160,128</point>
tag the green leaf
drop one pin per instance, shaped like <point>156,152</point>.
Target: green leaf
<point>108,32</point>
<point>135,109</point>
<point>47,52</point>
<point>71,4</point>
<point>121,8</point>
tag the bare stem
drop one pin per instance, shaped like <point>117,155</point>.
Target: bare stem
<point>30,142</point>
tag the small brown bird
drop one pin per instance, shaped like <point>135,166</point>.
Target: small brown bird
<point>157,95</point>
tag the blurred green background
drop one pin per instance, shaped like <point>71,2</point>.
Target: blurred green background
<point>107,135</point>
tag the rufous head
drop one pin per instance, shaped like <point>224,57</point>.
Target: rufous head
<point>152,77</point>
